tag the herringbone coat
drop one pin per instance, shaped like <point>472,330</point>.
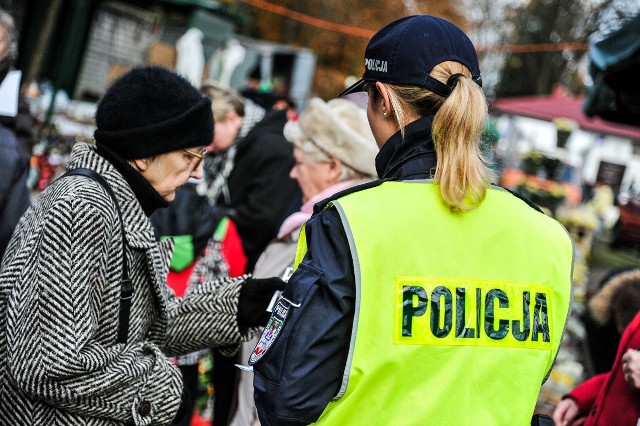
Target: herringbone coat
<point>59,303</point>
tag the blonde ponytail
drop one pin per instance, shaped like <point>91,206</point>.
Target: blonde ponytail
<point>461,169</point>
<point>458,124</point>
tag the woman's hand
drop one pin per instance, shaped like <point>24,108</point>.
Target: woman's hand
<point>566,412</point>
<point>631,367</point>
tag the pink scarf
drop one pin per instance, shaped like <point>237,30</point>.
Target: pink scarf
<point>297,219</point>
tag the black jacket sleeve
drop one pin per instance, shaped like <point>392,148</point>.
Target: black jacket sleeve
<point>302,371</point>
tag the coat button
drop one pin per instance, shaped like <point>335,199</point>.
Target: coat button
<point>144,409</point>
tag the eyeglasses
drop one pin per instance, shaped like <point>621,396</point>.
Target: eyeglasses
<point>199,156</point>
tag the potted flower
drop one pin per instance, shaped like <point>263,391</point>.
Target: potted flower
<point>545,194</point>
<point>564,127</point>
<point>531,162</point>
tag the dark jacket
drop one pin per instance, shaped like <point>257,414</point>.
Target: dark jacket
<point>188,214</point>
<point>260,188</point>
<point>14,194</point>
<point>325,282</point>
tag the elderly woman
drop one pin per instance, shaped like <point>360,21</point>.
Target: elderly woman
<point>76,347</point>
<point>334,150</point>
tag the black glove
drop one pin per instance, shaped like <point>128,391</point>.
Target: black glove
<point>541,420</point>
<point>186,405</point>
<point>255,295</point>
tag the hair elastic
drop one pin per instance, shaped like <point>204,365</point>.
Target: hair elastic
<point>451,81</point>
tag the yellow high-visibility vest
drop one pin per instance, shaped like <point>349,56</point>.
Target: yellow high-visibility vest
<point>458,317</point>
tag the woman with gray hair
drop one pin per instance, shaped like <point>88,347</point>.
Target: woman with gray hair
<point>334,150</point>
<point>86,318</point>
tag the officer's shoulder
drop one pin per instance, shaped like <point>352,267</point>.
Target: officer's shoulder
<point>519,196</point>
<point>372,184</point>
<point>357,188</point>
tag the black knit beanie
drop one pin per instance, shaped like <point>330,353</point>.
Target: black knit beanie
<point>150,111</point>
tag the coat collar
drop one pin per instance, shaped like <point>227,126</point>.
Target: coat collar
<point>411,157</point>
<point>137,226</point>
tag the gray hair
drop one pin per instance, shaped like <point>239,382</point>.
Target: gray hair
<point>9,26</point>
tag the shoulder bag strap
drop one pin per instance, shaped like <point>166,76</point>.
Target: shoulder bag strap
<point>126,286</point>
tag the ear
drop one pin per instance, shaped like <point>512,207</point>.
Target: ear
<point>386,103</point>
<point>140,164</point>
<point>335,168</point>
<point>234,118</point>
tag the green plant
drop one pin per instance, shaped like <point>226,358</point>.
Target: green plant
<point>551,197</point>
<point>531,162</point>
<point>564,128</point>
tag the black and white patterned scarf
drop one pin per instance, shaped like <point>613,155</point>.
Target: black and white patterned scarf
<point>218,167</point>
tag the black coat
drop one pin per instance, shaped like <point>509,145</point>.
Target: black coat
<point>188,214</point>
<point>14,194</point>
<point>261,191</point>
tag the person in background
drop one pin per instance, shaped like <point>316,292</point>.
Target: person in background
<point>610,398</point>
<point>334,150</point>
<point>602,331</point>
<point>259,92</point>
<point>427,296</point>
<point>14,161</point>
<point>76,345</point>
<point>23,123</point>
<point>234,118</point>
<point>257,192</point>
<point>288,104</point>
<point>246,175</point>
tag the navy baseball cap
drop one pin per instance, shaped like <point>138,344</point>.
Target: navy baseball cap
<point>405,51</point>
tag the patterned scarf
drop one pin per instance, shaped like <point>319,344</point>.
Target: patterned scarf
<point>218,167</point>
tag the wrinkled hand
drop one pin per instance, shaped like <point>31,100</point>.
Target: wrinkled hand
<point>255,295</point>
<point>631,367</point>
<point>566,412</point>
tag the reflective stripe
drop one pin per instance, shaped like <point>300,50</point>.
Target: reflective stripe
<point>356,315</point>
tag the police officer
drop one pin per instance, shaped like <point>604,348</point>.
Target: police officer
<point>428,296</point>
